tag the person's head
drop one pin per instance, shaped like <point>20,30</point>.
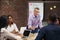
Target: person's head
<point>36,11</point>
<point>58,21</point>
<point>3,21</point>
<point>10,19</point>
<point>52,18</point>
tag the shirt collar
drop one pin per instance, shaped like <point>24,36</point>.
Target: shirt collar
<point>34,15</point>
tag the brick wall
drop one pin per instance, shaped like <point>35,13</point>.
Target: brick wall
<point>17,8</point>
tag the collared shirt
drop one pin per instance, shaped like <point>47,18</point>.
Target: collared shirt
<point>34,21</point>
<point>12,27</point>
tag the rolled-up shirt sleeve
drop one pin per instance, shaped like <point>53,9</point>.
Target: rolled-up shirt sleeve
<point>40,23</point>
<point>16,29</point>
<point>30,22</point>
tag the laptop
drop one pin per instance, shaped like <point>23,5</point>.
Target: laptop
<point>26,33</point>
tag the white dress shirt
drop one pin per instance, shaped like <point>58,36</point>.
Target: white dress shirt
<point>9,29</point>
<point>12,27</point>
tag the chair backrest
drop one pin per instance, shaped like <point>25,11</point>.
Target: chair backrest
<point>22,29</point>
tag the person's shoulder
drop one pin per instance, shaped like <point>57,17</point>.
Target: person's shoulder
<point>14,23</point>
<point>44,28</point>
<point>39,15</point>
<point>31,16</point>
<point>57,26</point>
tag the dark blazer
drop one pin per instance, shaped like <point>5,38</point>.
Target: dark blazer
<point>49,32</point>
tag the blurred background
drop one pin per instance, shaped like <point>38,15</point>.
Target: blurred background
<point>19,10</point>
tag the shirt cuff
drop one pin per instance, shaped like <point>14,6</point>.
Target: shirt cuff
<point>29,26</point>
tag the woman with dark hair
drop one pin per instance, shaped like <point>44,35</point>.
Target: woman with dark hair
<point>3,25</point>
<point>12,29</point>
<point>11,25</point>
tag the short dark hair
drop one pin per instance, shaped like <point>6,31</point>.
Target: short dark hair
<point>52,17</point>
<point>36,8</point>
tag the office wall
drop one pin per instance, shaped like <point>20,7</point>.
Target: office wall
<point>48,11</point>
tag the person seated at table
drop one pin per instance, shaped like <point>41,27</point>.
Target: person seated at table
<point>3,21</point>
<point>51,31</point>
<point>12,27</point>
<point>11,30</point>
<point>3,24</point>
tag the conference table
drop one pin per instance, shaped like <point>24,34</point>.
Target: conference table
<point>7,34</point>
<point>30,37</point>
<point>18,37</point>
